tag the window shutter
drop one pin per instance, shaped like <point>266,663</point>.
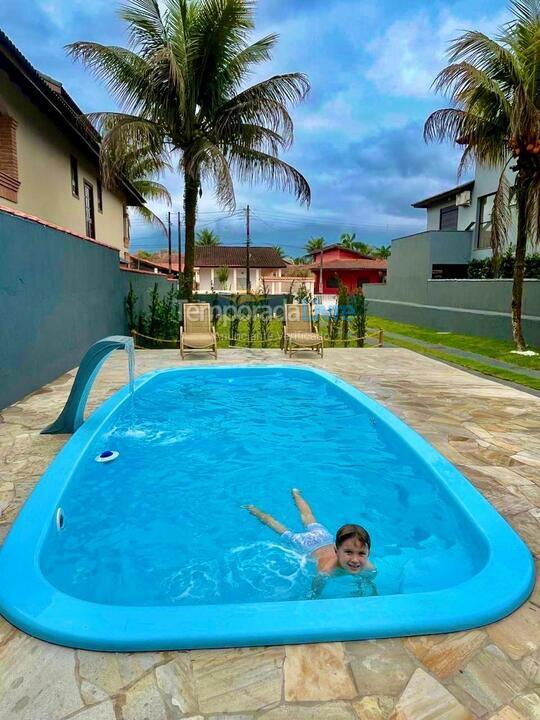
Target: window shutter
<point>9,168</point>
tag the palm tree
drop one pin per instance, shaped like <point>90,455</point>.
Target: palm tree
<point>140,166</point>
<point>181,89</point>
<point>315,243</point>
<point>280,251</point>
<point>207,238</point>
<point>384,251</point>
<point>494,86</point>
<point>347,240</point>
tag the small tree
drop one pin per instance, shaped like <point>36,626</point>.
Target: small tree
<point>154,321</point>
<point>207,238</point>
<point>130,303</point>
<point>358,302</point>
<point>223,277</point>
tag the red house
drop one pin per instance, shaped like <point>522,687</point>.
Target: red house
<point>351,267</point>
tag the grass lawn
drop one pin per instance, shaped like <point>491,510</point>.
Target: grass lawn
<point>274,335</point>
<point>496,349</point>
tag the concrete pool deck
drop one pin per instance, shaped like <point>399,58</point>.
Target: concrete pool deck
<point>491,432</point>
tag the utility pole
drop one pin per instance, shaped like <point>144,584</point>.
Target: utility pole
<point>248,277</point>
<point>179,247</point>
<point>321,273</point>
<point>170,239</point>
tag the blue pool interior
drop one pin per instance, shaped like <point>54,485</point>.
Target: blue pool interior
<point>163,525</point>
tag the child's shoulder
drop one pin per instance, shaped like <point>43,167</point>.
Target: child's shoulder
<point>327,566</point>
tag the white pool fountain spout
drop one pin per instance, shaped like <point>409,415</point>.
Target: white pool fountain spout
<point>72,416</point>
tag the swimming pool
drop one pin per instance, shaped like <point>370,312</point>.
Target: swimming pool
<point>154,551</point>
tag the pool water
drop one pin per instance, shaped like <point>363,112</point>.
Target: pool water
<point>163,524</point>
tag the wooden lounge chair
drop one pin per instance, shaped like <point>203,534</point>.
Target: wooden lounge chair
<point>197,334</point>
<point>299,332</point>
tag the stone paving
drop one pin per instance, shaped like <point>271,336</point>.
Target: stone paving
<point>491,432</point>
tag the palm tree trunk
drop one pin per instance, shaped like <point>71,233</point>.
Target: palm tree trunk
<point>191,189</point>
<point>519,269</point>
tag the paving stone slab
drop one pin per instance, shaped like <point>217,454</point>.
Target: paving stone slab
<point>143,701</point>
<point>528,704</point>
<point>175,680</point>
<point>236,680</point>
<point>324,711</point>
<point>507,713</point>
<point>111,672</point>
<point>374,707</point>
<point>425,698</point>
<point>40,678</point>
<point>103,711</point>
<point>530,667</point>
<point>380,667</point>
<point>519,633</point>
<point>317,672</point>
<point>491,679</point>
<point>446,654</point>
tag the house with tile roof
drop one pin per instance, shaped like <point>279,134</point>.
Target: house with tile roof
<point>335,265</point>
<point>265,267</point>
<point>49,157</point>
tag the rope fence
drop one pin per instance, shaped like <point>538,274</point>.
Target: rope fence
<point>256,341</point>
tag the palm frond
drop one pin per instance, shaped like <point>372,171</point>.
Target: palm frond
<point>212,165</point>
<point>253,166</point>
<point>151,190</point>
<point>487,55</point>
<point>123,72</point>
<point>148,216</point>
<point>501,217</point>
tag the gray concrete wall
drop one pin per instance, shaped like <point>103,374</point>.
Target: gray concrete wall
<point>58,295</point>
<point>472,307</point>
<point>143,285</point>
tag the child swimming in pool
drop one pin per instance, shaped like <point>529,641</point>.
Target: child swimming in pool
<point>348,552</point>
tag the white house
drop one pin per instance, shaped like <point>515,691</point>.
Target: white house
<point>468,207</point>
<point>224,269</point>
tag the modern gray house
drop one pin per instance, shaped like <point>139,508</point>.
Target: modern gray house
<point>427,272</point>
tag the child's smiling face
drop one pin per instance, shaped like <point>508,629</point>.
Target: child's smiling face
<point>352,555</point>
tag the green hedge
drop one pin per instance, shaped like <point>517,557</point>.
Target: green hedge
<point>483,269</point>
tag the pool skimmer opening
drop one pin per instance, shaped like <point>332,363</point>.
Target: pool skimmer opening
<point>59,519</point>
<point>107,456</point>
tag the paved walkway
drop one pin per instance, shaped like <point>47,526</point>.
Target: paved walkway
<point>466,354</point>
<point>491,432</point>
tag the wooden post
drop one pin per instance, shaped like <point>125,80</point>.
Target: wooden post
<point>169,239</point>
<point>248,239</point>
<point>381,338</point>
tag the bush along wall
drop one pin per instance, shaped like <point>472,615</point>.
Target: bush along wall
<point>159,324</point>
<point>483,269</point>
<point>254,320</point>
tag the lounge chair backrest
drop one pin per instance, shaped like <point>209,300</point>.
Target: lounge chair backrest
<point>197,318</point>
<point>298,318</point>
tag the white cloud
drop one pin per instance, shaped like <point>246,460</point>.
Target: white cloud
<point>410,53</point>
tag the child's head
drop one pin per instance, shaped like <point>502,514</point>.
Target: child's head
<point>352,547</point>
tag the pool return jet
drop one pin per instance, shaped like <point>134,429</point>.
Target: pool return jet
<point>72,416</point>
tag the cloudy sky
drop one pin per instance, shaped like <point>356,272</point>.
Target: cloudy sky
<point>358,137</point>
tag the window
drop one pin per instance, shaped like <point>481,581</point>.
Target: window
<point>448,272</point>
<point>89,210</point>
<point>485,208</point>
<point>359,283</point>
<point>74,176</point>
<point>99,196</point>
<point>332,282</point>
<point>448,218</point>
<point>9,169</point>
